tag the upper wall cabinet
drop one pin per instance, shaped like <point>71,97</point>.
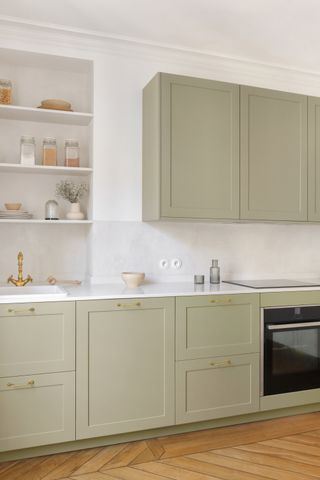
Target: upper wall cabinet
<point>190,149</point>
<point>274,155</point>
<point>314,159</point>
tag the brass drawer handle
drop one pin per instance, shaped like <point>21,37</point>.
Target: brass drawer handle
<point>128,305</point>
<point>22,310</point>
<point>227,363</point>
<point>221,302</point>
<point>14,386</point>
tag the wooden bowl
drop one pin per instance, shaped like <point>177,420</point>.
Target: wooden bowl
<point>133,279</point>
<point>12,206</point>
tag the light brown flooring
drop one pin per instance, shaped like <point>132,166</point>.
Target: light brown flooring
<point>282,449</point>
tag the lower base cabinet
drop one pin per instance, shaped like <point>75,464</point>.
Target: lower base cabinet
<point>37,410</point>
<point>125,366</point>
<point>216,387</point>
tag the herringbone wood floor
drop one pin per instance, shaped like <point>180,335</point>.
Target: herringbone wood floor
<point>282,449</point>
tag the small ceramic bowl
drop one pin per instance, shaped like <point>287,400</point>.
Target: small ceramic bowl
<point>133,279</point>
<point>12,206</point>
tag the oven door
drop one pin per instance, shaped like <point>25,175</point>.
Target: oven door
<point>291,357</point>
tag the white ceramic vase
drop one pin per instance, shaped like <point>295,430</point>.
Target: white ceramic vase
<point>75,212</point>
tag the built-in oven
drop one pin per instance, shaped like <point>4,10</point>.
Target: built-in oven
<point>290,348</point>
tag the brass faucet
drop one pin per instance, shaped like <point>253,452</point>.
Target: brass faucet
<point>20,281</point>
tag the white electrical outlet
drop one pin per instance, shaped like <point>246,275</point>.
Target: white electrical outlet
<point>176,263</point>
<point>164,264</point>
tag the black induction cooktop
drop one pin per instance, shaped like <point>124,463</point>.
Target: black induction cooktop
<point>272,283</point>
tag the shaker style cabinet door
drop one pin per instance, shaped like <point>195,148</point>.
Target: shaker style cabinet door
<point>125,366</point>
<point>190,149</point>
<point>37,338</point>
<point>217,387</point>
<point>314,159</point>
<point>37,410</point>
<point>217,325</point>
<point>273,156</point>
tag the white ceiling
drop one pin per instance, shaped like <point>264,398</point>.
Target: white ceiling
<point>285,32</point>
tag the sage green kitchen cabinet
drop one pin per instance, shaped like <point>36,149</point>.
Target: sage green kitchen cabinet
<point>216,325</point>
<point>273,157</point>
<point>314,159</point>
<point>190,149</point>
<point>125,365</point>
<point>37,338</point>
<point>217,352</point>
<point>217,387</point>
<point>37,410</point>
<point>37,378</point>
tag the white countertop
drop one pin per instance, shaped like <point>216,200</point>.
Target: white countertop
<point>111,291</point>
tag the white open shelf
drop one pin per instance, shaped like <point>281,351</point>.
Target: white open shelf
<point>18,168</point>
<point>15,112</point>
<point>48,222</point>
<point>36,77</point>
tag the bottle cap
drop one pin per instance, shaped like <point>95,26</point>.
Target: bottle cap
<point>215,262</point>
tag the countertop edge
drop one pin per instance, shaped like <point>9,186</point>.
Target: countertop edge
<point>117,291</point>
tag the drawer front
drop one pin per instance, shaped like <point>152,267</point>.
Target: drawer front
<point>217,387</point>
<point>37,410</point>
<point>37,338</point>
<point>282,299</point>
<point>217,325</point>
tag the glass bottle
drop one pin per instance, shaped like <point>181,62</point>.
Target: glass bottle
<point>27,150</point>
<point>72,153</point>
<point>52,210</point>
<point>5,91</point>
<point>215,272</point>
<point>49,156</point>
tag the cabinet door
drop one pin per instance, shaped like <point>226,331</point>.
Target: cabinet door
<point>125,365</point>
<point>199,148</point>
<point>273,155</point>
<point>37,410</point>
<point>216,387</point>
<point>37,338</point>
<point>313,159</point>
<point>217,325</point>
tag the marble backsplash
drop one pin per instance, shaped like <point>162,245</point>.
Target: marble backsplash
<point>58,250</point>
<point>102,252</point>
<point>248,250</point>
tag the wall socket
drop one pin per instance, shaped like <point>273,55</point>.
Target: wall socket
<point>164,264</point>
<point>175,263</point>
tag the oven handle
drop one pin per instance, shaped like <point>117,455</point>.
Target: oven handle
<point>287,326</point>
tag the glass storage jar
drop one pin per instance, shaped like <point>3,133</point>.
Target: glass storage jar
<point>72,153</point>
<point>49,155</point>
<point>27,150</point>
<point>5,91</point>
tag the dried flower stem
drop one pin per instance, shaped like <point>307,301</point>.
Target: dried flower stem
<point>70,191</point>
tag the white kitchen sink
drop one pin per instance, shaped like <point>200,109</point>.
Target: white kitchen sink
<point>32,292</point>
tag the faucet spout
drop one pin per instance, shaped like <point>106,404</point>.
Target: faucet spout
<point>20,281</point>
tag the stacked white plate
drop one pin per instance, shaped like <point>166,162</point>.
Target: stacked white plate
<point>15,214</point>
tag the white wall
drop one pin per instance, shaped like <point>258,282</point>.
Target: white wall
<point>119,240</point>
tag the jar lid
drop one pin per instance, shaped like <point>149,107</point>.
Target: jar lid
<point>49,141</point>
<point>71,142</point>
<point>5,83</point>
<point>27,139</point>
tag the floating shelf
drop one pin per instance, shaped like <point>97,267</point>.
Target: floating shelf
<point>14,112</point>
<point>47,222</point>
<point>18,168</point>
